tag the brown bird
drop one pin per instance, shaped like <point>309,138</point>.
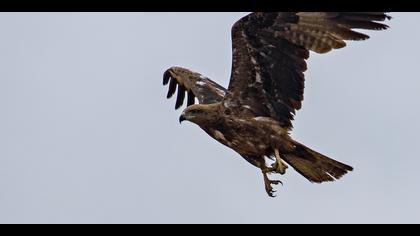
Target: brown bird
<point>254,115</point>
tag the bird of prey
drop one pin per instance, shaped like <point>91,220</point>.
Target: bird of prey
<point>253,116</point>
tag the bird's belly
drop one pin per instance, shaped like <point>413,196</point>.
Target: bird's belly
<point>244,144</point>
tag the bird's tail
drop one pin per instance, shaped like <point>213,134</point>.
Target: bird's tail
<point>314,166</point>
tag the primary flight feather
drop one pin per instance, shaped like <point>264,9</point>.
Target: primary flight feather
<point>254,115</point>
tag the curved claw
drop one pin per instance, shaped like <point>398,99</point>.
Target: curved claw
<point>268,182</point>
<point>276,182</point>
<point>271,193</point>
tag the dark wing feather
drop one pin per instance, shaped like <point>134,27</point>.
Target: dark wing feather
<point>194,84</point>
<point>269,53</point>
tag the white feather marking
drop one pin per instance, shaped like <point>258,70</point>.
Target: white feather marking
<point>262,118</point>
<point>262,146</point>
<point>219,136</point>
<point>258,78</point>
<point>201,83</point>
<point>228,103</point>
<point>220,92</point>
<point>253,61</point>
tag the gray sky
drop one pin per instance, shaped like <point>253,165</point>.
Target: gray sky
<point>87,136</point>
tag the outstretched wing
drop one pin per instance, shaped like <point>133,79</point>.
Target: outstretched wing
<point>269,53</point>
<point>194,84</point>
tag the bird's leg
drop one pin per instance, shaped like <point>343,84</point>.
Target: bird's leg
<point>260,163</point>
<point>279,166</point>
<point>268,182</point>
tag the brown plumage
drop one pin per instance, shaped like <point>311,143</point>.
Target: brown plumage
<point>254,115</point>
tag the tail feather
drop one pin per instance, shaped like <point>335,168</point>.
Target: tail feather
<point>314,166</point>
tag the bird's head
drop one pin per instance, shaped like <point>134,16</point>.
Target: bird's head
<point>199,113</point>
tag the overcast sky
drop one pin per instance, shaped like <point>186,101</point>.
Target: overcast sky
<point>87,135</point>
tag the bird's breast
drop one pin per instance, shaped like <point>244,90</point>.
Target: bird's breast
<point>255,136</point>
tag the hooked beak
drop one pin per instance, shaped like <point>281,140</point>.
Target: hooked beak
<point>182,118</point>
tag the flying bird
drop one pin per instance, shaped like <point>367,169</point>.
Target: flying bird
<point>254,115</point>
